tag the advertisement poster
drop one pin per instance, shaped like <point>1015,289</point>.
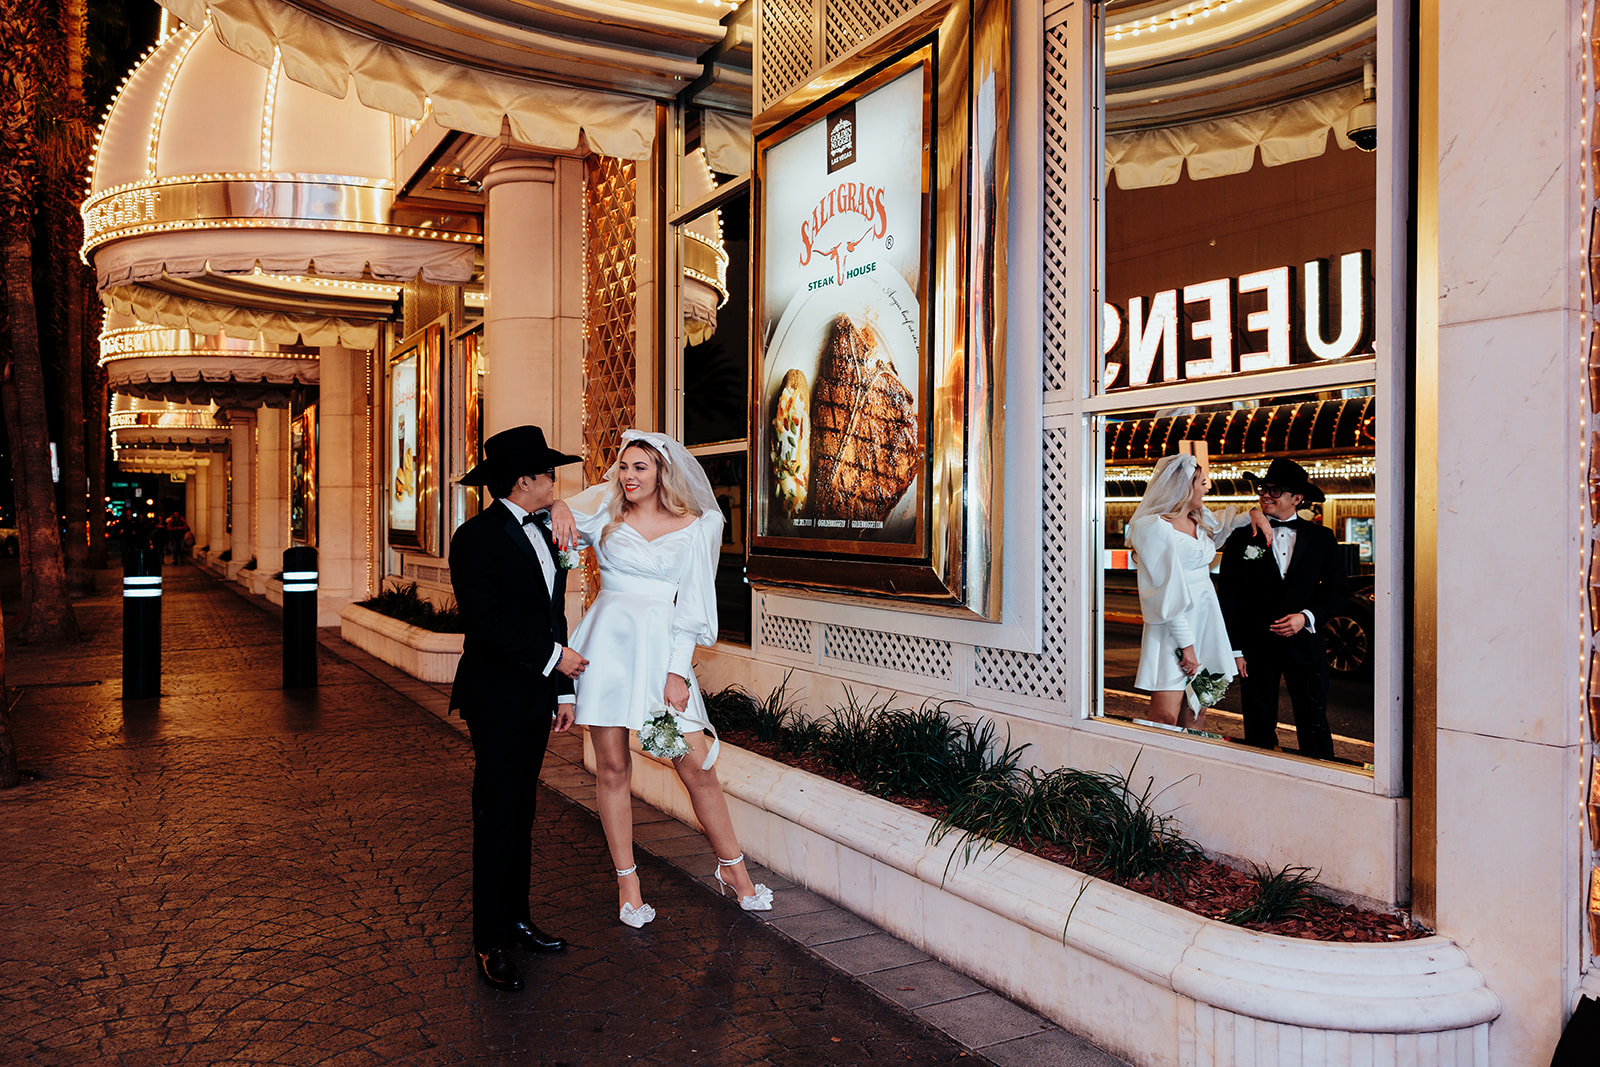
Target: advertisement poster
<point>303,477</point>
<point>842,395</point>
<point>405,415</point>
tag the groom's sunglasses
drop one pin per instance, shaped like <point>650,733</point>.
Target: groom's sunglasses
<point>1273,491</point>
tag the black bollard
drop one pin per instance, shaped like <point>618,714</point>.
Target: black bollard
<point>299,618</point>
<point>141,623</point>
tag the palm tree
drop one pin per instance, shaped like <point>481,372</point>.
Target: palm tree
<point>49,612</point>
<point>63,123</point>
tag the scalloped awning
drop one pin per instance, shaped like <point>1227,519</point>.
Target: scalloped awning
<point>1286,133</point>
<point>206,317</point>
<point>409,83</point>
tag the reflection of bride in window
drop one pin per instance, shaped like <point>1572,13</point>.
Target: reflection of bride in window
<point>405,475</point>
<point>1174,537</point>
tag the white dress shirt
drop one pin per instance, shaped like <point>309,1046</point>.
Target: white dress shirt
<point>542,550</point>
<point>1283,538</point>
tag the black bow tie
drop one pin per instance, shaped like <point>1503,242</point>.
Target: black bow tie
<point>1290,523</point>
<point>541,518</point>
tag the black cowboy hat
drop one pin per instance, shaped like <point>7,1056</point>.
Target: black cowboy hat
<point>512,453</point>
<point>1287,474</point>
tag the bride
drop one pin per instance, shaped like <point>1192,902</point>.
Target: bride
<point>656,530</point>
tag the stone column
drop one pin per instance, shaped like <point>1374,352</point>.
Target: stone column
<point>191,486</point>
<point>343,463</point>
<point>218,533</point>
<point>272,497</point>
<point>199,511</point>
<point>533,322</point>
<point>244,466</point>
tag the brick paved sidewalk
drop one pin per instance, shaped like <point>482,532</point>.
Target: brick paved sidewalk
<point>233,873</point>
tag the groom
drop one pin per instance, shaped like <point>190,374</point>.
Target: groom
<point>515,674</point>
<point>1275,598</point>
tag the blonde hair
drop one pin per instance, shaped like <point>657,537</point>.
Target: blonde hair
<point>672,491</point>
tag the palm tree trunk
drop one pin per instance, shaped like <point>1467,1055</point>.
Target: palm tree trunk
<point>67,227</point>
<point>50,618</point>
<point>9,775</point>
<point>95,448</point>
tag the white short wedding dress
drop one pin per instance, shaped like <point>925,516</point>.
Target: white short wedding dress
<point>1178,601</point>
<point>657,601</point>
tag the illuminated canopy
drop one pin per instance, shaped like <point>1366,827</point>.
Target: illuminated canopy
<point>224,196</point>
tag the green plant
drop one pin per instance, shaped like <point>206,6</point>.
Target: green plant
<point>403,602</point>
<point>227,555</point>
<point>1280,894</point>
<point>849,737</point>
<point>731,708</point>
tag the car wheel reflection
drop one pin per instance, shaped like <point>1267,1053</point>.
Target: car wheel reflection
<point>1349,643</point>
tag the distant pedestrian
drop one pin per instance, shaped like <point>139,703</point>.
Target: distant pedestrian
<point>515,674</point>
<point>179,536</point>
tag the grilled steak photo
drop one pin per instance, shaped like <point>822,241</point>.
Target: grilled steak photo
<point>865,444</point>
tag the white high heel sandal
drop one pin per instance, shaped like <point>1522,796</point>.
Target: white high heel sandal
<point>760,900</point>
<point>630,915</point>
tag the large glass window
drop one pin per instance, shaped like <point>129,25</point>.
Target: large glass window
<point>1243,254</point>
<point>710,385</point>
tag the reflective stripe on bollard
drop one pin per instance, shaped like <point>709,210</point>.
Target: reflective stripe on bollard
<point>299,617</point>
<point>141,624</point>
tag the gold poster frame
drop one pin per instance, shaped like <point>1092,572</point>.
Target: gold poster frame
<point>426,347</point>
<point>958,565</point>
<point>303,444</point>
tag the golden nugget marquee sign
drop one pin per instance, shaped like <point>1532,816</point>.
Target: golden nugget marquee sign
<point>136,207</point>
<point>1263,320</point>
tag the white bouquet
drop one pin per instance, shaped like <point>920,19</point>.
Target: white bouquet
<point>1204,689</point>
<point>660,735</point>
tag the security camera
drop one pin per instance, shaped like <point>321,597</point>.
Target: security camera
<point>1362,125</point>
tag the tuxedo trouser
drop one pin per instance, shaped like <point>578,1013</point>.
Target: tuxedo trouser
<point>1307,684</point>
<point>505,782</point>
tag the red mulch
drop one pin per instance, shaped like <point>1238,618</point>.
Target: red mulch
<point>1207,888</point>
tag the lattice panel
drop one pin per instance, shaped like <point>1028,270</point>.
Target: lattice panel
<point>421,303</point>
<point>1061,122</point>
<point>612,285</point>
<point>1042,676</point>
<point>787,47</point>
<point>778,631</point>
<point>848,23</point>
<point>425,572</point>
<point>903,653</point>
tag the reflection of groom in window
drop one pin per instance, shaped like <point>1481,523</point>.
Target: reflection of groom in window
<point>1276,599</point>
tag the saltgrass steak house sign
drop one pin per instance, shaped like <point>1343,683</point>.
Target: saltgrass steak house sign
<point>842,401</point>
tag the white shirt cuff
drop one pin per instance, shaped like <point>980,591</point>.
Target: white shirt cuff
<point>566,698</point>
<point>1311,621</point>
<point>554,659</point>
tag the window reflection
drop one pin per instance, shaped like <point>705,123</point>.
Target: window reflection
<point>1331,436</point>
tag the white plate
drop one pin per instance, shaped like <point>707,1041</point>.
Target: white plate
<point>882,301</point>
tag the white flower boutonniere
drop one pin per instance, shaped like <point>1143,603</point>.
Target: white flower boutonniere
<point>660,735</point>
<point>569,558</point>
<point>1254,552</point>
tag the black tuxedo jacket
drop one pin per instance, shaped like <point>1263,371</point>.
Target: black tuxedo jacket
<point>1254,595</point>
<point>513,620</point>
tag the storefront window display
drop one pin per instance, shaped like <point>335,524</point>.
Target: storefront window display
<point>303,476</point>
<point>712,377</point>
<point>413,440</point>
<point>1246,246</point>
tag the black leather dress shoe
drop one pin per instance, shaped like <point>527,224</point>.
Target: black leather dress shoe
<point>534,939</point>
<point>497,970</point>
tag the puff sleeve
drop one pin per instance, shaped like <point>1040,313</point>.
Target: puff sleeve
<point>1163,590</point>
<point>590,513</point>
<point>1228,519</point>
<point>694,619</point>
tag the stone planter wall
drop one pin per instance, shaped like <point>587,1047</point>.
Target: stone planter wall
<point>1150,982</point>
<point>423,654</point>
